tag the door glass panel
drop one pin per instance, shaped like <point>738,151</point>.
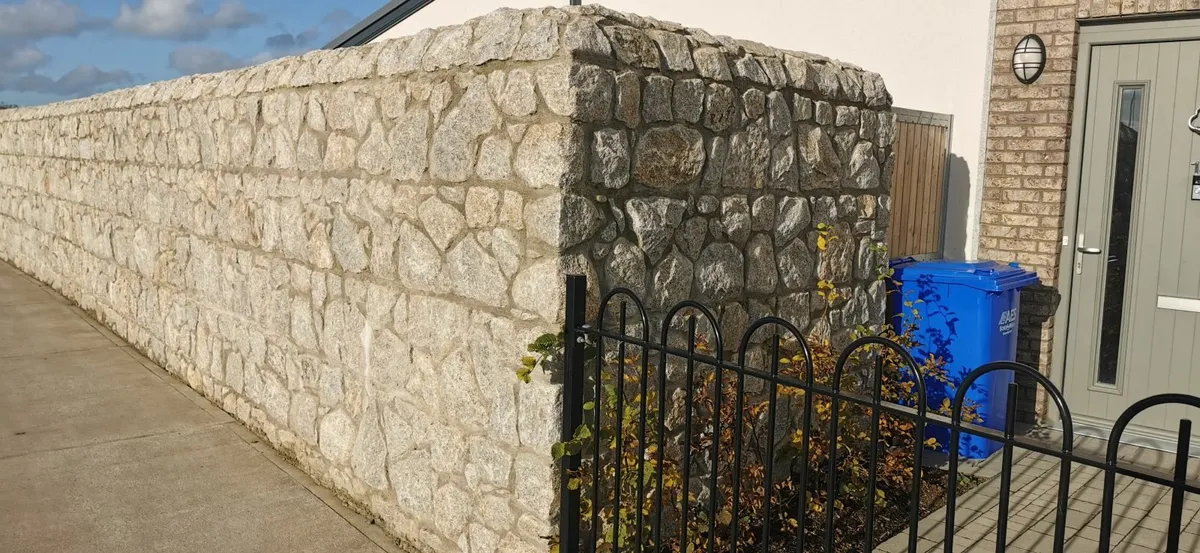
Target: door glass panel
<point>1113,303</point>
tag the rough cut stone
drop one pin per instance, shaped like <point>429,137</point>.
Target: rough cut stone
<point>749,152</point>
<point>455,141</point>
<point>348,244</point>
<point>583,36</point>
<point>517,97</point>
<point>495,159</point>
<point>711,64</point>
<point>754,102</point>
<point>675,50</point>
<point>534,289</point>
<point>864,169</point>
<point>580,220</point>
<point>794,217</point>
<point>718,108</point>
<point>374,156</point>
<point>669,156</point>
<point>410,146</point>
<point>448,48</point>
<point>795,266</point>
<point>544,155</point>
<point>632,46</point>
<point>626,267</point>
<point>540,39</point>
<point>671,282</point>
<point>442,221</point>
<point>496,36</point>
<point>629,98</point>
<point>761,274</point>
<point>656,106</point>
<point>654,221</point>
<point>475,274</point>
<point>689,100</point>
<point>735,218</point>
<point>762,213</point>
<point>610,158</point>
<point>719,272</point>
<point>822,168</point>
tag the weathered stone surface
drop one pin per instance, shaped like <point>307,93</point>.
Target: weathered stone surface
<point>711,64</point>
<point>822,168</point>
<point>420,261</point>
<point>475,274</point>
<point>762,213</point>
<point>496,36</point>
<point>583,36</point>
<point>580,220</point>
<point>517,97</point>
<point>629,98</point>
<point>370,452</point>
<point>754,103</point>
<point>671,282</point>
<point>545,155</point>
<point>495,159</point>
<point>654,221</point>
<point>793,218</point>
<point>864,169</point>
<point>735,218</point>
<point>450,509</point>
<point>796,266</point>
<point>336,436</point>
<point>718,108</point>
<point>610,158</point>
<point>448,48</point>
<point>533,289</point>
<point>846,116</point>
<point>718,154</point>
<point>632,46</point>
<point>348,244</point>
<point>836,262</point>
<point>339,153</point>
<point>540,39</point>
<point>719,272</point>
<point>689,100</point>
<point>656,105</point>
<point>668,156</point>
<point>761,273</point>
<point>626,267</point>
<point>690,237</point>
<point>442,221</point>
<point>674,48</point>
<point>824,113</point>
<point>749,152</point>
<point>410,146</point>
<point>456,139</point>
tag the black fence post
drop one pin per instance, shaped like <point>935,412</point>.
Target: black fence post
<point>572,413</point>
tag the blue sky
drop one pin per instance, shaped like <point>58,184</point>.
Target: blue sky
<point>53,50</point>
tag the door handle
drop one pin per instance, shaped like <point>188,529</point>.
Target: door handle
<point>1089,251</point>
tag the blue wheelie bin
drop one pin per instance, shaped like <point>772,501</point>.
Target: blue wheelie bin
<point>966,313</point>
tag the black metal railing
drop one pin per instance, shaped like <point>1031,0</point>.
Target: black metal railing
<point>661,454</point>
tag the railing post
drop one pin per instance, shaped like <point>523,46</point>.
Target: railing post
<point>1182,452</point>
<point>572,413</point>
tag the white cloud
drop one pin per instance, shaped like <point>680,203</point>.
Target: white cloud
<point>190,60</point>
<point>182,19</point>
<point>81,81</point>
<point>34,19</point>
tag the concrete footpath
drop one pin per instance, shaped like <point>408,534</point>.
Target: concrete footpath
<point>101,450</point>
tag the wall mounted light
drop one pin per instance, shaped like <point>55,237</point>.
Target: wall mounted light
<point>1029,59</point>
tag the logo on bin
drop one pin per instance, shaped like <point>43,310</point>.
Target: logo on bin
<point>1008,321</point>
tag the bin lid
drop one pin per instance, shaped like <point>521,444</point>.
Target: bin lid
<point>986,275</point>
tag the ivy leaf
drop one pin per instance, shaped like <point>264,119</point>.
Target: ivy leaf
<point>558,450</point>
<point>583,432</point>
<point>523,374</point>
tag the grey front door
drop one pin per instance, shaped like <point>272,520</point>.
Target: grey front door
<point>1134,313</point>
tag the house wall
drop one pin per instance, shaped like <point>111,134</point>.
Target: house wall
<point>933,54</point>
<point>1028,134</point>
<point>350,250</point>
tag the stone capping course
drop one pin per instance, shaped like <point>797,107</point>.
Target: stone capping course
<point>583,29</point>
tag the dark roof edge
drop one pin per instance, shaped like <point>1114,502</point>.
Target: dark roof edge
<point>377,23</point>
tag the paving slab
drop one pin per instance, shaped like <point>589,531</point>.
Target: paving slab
<point>103,451</point>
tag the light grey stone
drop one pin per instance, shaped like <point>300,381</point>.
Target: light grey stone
<point>487,464</point>
<point>374,156</point>
<point>370,453</point>
<point>541,403</point>
<point>846,116</point>
<point>754,102</point>
<point>669,156</point>
<point>442,221</point>
<point>793,218</point>
<point>410,146</point>
<point>629,98</point>
<point>302,417</point>
<point>448,48</point>
<point>583,36</point>
<point>632,46</point>
<point>869,258</point>
<point>824,113</point>
<point>864,169</point>
<point>540,39</point>
<point>495,512</point>
<point>824,210</point>
<point>761,274</point>
<point>707,204</point>
<point>822,168</point>
<point>336,436</point>
<point>554,84</point>
<point>481,539</point>
<point>546,155</point>
<point>495,159</point>
<point>689,100</point>
<point>762,213</point>
<point>508,249</point>
<point>802,108</point>
<point>711,64</point>
<point>674,49</point>
<point>887,128</point>
<point>594,89</point>
<point>718,154</point>
<point>779,117</point>
<point>481,204</point>
<point>534,289</point>
<point>654,221</point>
<point>656,104</point>
<point>690,237</point>
<point>348,244</point>
<point>339,153</point>
<point>749,153</point>
<point>868,126</point>
<point>496,36</point>
<point>719,272</point>
<point>610,158</point>
<point>339,109</point>
<point>626,267</point>
<point>534,479</point>
<point>420,261</point>
<point>580,220</point>
<point>671,282</point>
<point>785,171</point>
<point>735,218</point>
<point>719,108</point>
<point>796,266</point>
<point>746,67</point>
<point>451,506</point>
<point>542,219</point>
<point>517,98</point>
<point>475,274</point>
<point>836,262</point>
<point>455,141</point>
<point>413,482</point>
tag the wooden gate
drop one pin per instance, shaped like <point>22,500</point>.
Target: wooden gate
<point>919,184</point>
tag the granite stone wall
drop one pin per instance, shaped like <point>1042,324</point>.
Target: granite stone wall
<point>349,250</point>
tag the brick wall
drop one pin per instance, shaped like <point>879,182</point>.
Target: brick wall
<point>1029,128</point>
